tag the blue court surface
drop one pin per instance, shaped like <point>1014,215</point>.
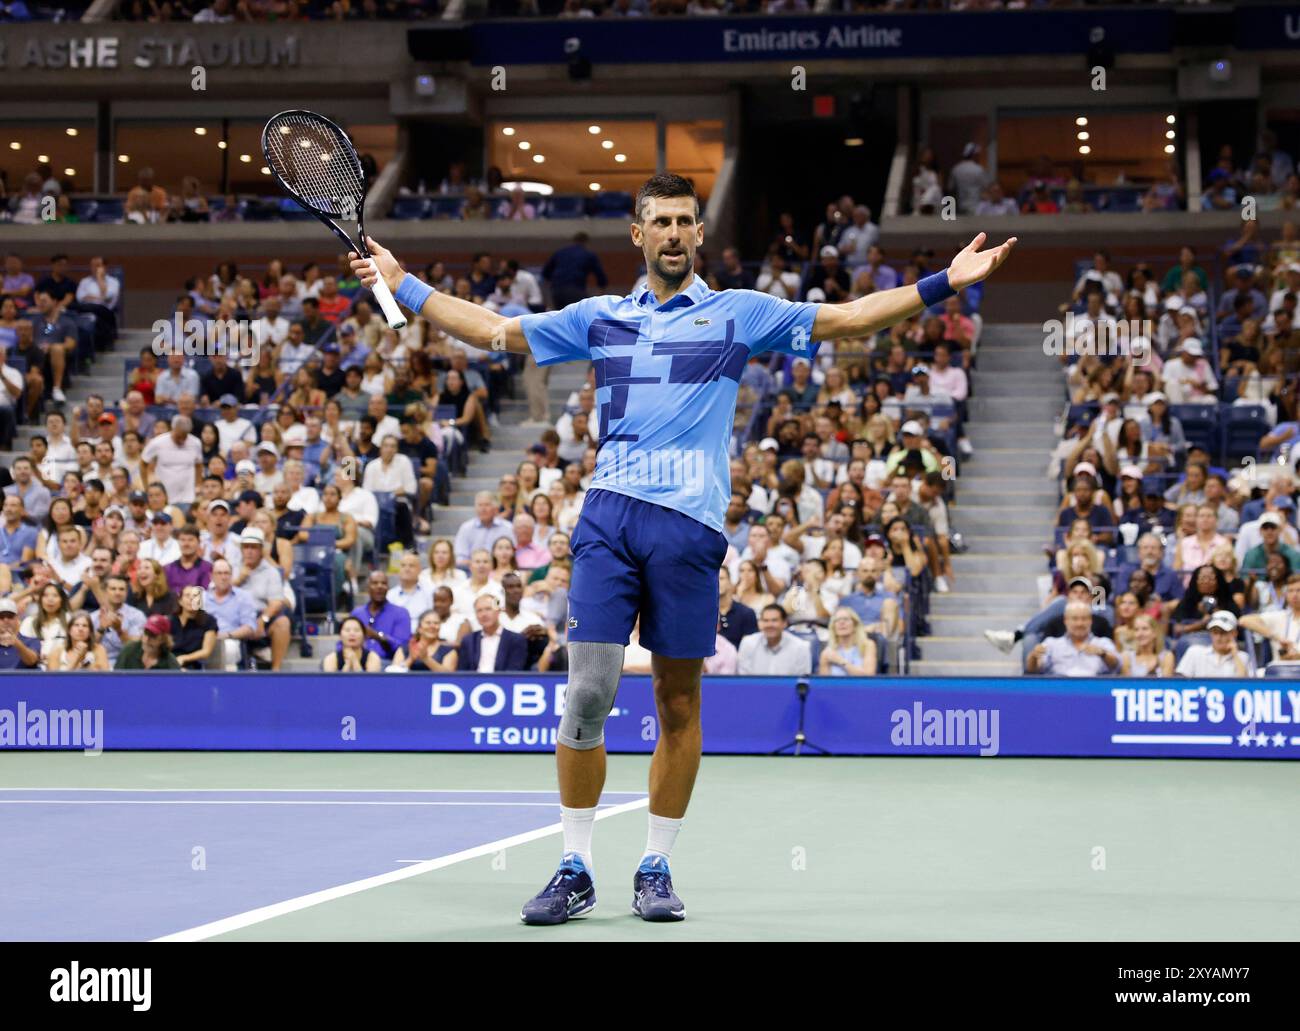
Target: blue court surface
<point>139,864</point>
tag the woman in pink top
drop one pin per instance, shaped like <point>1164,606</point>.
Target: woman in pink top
<point>1198,548</point>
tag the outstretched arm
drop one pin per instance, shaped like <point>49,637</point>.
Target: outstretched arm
<point>474,324</point>
<point>880,310</point>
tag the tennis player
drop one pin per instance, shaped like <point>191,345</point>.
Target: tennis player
<point>649,542</point>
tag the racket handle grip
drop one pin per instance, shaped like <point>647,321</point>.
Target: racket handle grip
<point>384,296</point>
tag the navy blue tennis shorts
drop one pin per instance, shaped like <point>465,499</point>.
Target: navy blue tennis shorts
<point>632,556</point>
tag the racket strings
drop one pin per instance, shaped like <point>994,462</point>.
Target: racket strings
<point>316,161</point>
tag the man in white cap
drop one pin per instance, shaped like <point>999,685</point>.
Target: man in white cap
<point>232,426</point>
<point>264,583</point>
<point>217,541</point>
<point>1188,376</point>
<point>967,179</point>
<point>1219,658</point>
<point>913,438</point>
<point>268,474</point>
<point>245,476</point>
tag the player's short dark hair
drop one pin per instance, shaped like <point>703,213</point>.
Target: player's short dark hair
<point>665,185</point>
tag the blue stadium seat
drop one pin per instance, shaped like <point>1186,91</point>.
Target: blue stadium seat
<point>292,211</point>
<point>1288,670</point>
<point>313,579</point>
<point>84,208</point>
<point>566,205</point>
<point>1200,424</point>
<point>110,209</point>
<point>1082,413</point>
<point>612,204</point>
<point>1243,427</point>
<point>410,209</point>
<point>444,207</point>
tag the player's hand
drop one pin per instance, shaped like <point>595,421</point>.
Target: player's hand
<point>972,265</point>
<point>383,257</point>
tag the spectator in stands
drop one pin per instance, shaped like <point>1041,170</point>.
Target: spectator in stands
<point>993,202</point>
<point>1049,622</point>
<point>1280,624</point>
<point>34,495</point>
<point>1208,591</point>
<point>153,650</point>
<point>49,623</point>
<point>55,335</point>
<point>1220,657</point>
<point>777,279</point>
<point>146,201</point>
<point>492,648</point>
<point>27,208</point>
<point>1196,549</point>
<point>857,240</point>
<point>829,276</point>
<point>351,654</point>
<point>483,530</point>
<point>569,269</point>
<point>1078,652</point>
<point>967,179</point>
<point>17,284</point>
<point>193,631</point>
<point>850,651</point>
<point>263,581</point>
<point>1270,532</point>
<point>516,208</point>
<point>115,621</point>
<point>426,649</point>
<point>1039,201</point>
<point>17,650</point>
<point>190,568</point>
<point>773,651</point>
<point>1098,516</point>
<point>1147,656</point>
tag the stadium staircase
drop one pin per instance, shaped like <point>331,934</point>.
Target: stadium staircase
<point>1005,507</point>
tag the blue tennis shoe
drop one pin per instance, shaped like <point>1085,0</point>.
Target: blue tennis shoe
<point>653,897</point>
<point>570,894</point>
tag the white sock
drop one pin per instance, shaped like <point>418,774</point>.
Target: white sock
<point>578,825</point>
<point>662,836</point>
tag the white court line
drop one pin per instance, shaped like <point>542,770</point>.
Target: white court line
<point>257,916</point>
<point>248,801</point>
<point>331,791</point>
<point>1172,739</point>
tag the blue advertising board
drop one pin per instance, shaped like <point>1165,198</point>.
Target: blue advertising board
<point>824,38</point>
<point>1029,716</point>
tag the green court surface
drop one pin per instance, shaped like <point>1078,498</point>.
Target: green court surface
<point>795,849</point>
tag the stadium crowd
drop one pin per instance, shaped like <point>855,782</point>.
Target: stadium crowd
<point>1176,531</point>
<point>197,494</point>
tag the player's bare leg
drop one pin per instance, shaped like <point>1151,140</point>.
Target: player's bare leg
<point>677,752</point>
<point>672,778</point>
<point>581,775</point>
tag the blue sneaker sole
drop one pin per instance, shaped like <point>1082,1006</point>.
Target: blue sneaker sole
<point>582,912</point>
<point>661,916</point>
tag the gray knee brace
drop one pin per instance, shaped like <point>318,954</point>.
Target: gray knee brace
<point>594,670</point>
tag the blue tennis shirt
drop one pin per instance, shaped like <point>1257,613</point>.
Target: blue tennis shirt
<point>666,382</point>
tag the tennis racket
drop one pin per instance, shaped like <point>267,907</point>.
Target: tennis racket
<point>319,168</point>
